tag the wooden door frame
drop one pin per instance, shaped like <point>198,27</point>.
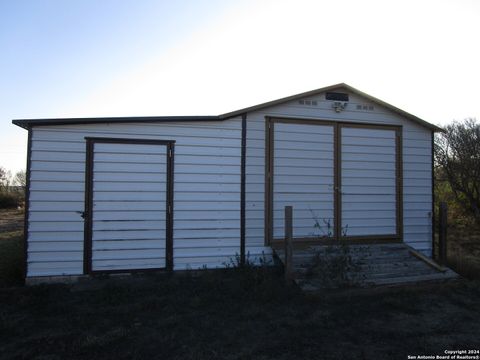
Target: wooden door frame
<point>337,203</point>
<point>88,212</point>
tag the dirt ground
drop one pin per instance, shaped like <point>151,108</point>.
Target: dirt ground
<point>11,247</point>
<point>11,220</point>
<point>234,314</point>
<point>463,251</point>
<point>225,314</point>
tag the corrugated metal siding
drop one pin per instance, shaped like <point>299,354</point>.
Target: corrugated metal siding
<point>207,184</point>
<point>207,191</point>
<point>126,233</point>
<point>368,181</point>
<point>303,178</point>
<point>417,192</point>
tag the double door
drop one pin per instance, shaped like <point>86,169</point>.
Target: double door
<point>343,180</point>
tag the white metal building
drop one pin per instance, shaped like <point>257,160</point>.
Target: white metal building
<point>123,194</point>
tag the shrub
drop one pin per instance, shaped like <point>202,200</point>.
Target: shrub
<point>457,157</point>
<point>336,266</point>
<point>9,200</point>
<point>11,261</point>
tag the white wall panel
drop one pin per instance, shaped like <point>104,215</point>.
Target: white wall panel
<point>312,200</point>
<point>208,153</point>
<point>207,190</point>
<point>357,190</point>
<point>416,150</point>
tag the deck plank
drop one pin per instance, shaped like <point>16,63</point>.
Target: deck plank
<point>373,265</point>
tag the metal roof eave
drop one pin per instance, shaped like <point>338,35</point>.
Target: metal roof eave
<point>27,123</point>
<point>329,88</point>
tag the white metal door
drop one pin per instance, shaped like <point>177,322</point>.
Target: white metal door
<point>368,181</point>
<point>303,177</point>
<point>128,206</point>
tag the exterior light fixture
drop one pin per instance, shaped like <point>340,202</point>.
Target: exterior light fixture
<point>339,106</point>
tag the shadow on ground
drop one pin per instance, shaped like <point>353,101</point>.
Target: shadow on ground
<point>233,314</point>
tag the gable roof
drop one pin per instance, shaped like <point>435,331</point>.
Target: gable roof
<point>27,123</point>
<point>330,88</point>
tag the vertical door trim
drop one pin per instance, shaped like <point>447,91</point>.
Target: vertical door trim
<point>337,181</point>
<point>399,179</point>
<point>337,149</point>
<point>88,213</point>
<point>268,178</point>
<point>433,194</point>
<point>169,210</point>
<point>243,166</point>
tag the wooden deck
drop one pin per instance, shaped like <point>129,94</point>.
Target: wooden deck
<point>316,267</point>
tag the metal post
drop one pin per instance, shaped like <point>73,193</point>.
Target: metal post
<point>442,233</point>
<point>288,244</point>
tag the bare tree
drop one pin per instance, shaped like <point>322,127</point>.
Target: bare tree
<point>5,179</point>
<point>3,175</point>
<point>457,153</point>
<point>20,179</point>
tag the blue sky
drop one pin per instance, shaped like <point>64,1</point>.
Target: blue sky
<point>55,52</point>
<point>63,58</point>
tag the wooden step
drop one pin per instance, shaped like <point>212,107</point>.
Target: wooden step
<point>377,273</point>
<point>311,254</point>
<point>364,262</point>
<point>414,279</point>
<point>394,274</point>
<point>361,248</point>
<point>315,285</point>
<point>374,265</point>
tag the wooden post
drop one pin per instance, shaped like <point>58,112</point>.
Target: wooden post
<point>288,244</point>
<point>442,234</point>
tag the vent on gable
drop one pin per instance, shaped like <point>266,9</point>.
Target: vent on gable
<point>365,107</point>
<point>308,102</point>
<point>335,96</point>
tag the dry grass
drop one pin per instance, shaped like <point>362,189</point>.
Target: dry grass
<point>11,247</point>
<point>11,220</point>
<point>227,314</point>
<point>463,251</point>
<point>233,314</point>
